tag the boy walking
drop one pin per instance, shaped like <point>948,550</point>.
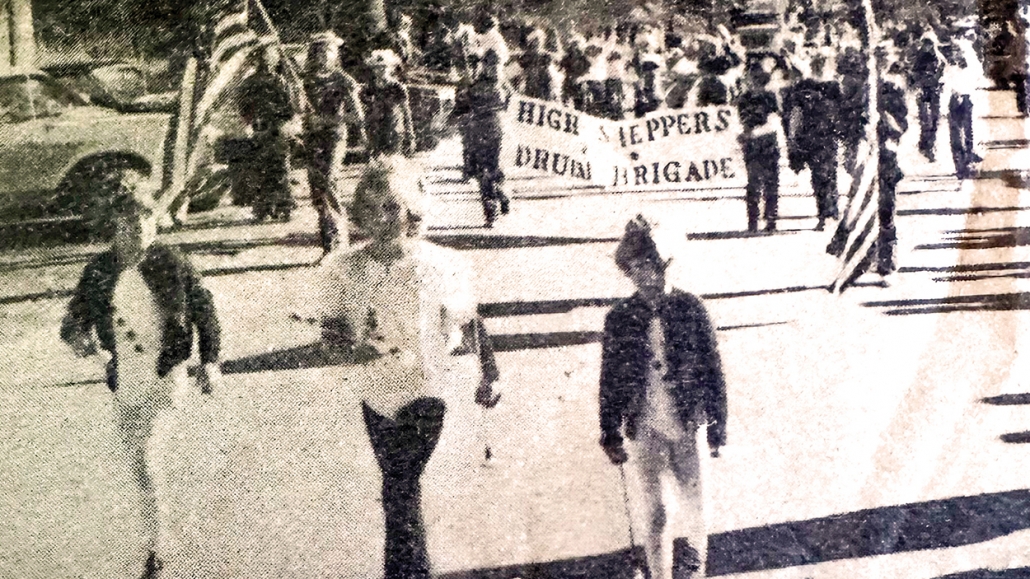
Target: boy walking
<point>661,380</point>
<point>143,301</point>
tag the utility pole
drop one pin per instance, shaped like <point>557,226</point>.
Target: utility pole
<point>17,39</point>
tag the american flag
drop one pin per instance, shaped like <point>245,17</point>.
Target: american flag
<point>231,44</point>
<point>854,240</point>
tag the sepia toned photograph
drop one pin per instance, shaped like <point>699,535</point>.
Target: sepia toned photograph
<point>514,289</point>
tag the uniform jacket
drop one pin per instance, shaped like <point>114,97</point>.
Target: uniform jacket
<point>691,355</point>
<point>182,301</point>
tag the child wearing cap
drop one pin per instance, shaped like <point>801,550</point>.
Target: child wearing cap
<point>143,301</point>
<point>661,381</point>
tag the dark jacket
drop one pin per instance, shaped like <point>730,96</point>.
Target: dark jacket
<point>690,352</point>
<point>183,303</point>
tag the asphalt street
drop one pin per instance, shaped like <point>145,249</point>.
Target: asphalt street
<point>878,433</point>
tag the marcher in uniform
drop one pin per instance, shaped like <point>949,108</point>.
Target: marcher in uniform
<point>388,125</point>
<point>963,78</point>
<point>478,108</point>
<point>266,107</point>
<point>893,124</point>
<point>815,101</point>
<point>758,108</point>
<point>927,71</point>
<point>334,106</point>
<point>143,301</point>
<point>661,381</point>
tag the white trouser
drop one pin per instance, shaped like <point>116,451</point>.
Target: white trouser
<point>137,406</point>
<point>654,456</point>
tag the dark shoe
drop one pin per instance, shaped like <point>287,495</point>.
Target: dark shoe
<point>821,225</point>
<point>152,567</point>
<point>504,206</point>
<point>770,226</point>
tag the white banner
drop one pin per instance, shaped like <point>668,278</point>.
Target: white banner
<point>665,150</point>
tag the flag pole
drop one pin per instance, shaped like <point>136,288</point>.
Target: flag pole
<point>862,208</point>
<point>290,65</point>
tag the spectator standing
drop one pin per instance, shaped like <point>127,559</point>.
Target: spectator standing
<point>616,62</point>
<point>264,101</point>
<point>334,106</point>
<point>963,77</point>
<point>812,106</point>
<point>478,108</point>
<point>144,302</point>
<point>594,93</point>
<point>716,60</point>
<point>536,62</point>
<point>661,381</point>
<point>927,71</point>
<point>575,66</point>
<point>402,307</point>
<point>648,95</point>
<point>758,108</point>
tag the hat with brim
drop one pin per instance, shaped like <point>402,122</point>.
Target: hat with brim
<point>328,38</point>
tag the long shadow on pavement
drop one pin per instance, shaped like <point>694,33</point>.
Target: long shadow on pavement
<point>896,529</point>
<point>1021,573</point>
<point>958,211</point>
<point>993,238</point>
<point>466,242</point>
<point>974,303</point>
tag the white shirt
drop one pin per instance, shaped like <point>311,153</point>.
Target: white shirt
<point>138,331</point>
<point>660,413</point>
<point>411,311</point>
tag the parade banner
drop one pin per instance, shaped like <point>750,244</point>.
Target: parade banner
<point>666,150</point>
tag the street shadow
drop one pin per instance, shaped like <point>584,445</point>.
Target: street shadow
<point>533,341</point>
<point>466,242</point>
<point>1007,400</point>
<point>958,211</point>
<point>1016,437</point>
<point>717,235</point>
<point>221,271</point>
<point>315,355</point>
<point>562,306</point>
<point>214,224</point>
<point>535,308</point>
<point>974,303</point>
<point>514,342</point>
<point>984,239</point>
<point>50,262</point>
<point>47,295</point>
<point>968,268</point>
<point>1020,573</point>
<point>881,531</point>
<point>232,247</point>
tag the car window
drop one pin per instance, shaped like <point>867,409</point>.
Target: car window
<point>122,83</point>
<point>49,98</point>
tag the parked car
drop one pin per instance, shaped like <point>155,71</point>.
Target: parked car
<point>62,158</point>
<point>113,84</point>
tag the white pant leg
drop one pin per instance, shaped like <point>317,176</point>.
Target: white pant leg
<point>685,463</point>
<point>651,455</point>
<point>135,425</point>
